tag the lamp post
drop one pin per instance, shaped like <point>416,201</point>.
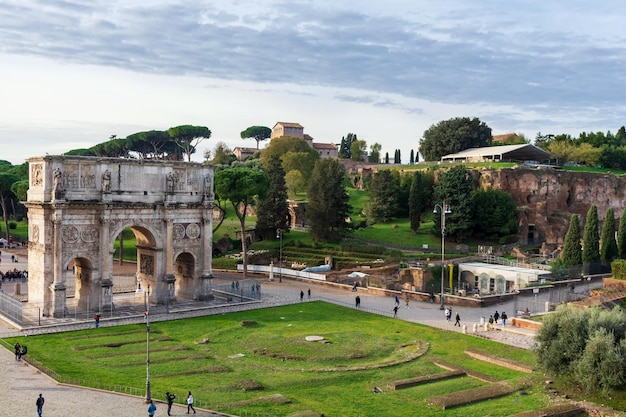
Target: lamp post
<point>443,210</point>
<point>148,394</point>
<point>279,235</point>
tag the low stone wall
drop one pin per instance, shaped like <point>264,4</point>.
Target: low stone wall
<point>525,324</point>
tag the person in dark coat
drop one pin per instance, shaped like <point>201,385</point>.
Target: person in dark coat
<point>457,319</point>
<point>170,401</point>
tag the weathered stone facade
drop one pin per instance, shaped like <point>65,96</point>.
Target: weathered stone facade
<point>546,198</point>
<point>77,206</point>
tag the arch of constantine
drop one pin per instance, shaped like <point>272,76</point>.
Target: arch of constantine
<point>78,206</point>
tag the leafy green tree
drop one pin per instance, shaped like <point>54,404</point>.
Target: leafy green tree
<point>358,149</point>
<point>601,366</point>
<point>258,133</point>
<point>241,186</point>
<point>591,240</point>
<point>383,203</point>
<point>452,136</point>
<point>294,153</point>
<point>403,191</point>
<point>374,155</point>
<point>149,144</point>
<point>80,152</point>
<point>113,148</point>
<point>587,345</point>
<point>295,182</point>
<point>455,188</point>
<point>273,210</point>
<point>608,246</point>
<point>621,236</point>
<point>329,205</point>
<point>20,189</point>
<point>222,155</point>
<point>188,137</point>
<point>495,214</point>
<point>572,254</point>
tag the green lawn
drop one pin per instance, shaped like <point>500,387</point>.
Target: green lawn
<point>197,355</point>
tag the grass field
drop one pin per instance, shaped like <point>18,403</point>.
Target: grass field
<point>334,378</point>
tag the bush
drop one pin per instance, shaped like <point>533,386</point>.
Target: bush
<point>12,225</point>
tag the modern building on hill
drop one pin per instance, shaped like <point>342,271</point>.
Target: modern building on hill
<point>506,153</point>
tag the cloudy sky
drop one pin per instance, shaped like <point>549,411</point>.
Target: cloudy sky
<point>75,72</point>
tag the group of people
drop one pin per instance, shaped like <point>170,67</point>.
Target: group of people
<point>20,350</point>
<point>457,317</point>
<point>497,316</point>
<point>170,397</point>
<point>13,275</point>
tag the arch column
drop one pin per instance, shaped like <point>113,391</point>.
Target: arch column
<point>206,278</point>
<point>58,289</point>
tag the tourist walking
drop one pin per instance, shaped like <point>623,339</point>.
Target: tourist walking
<point>457,319</point>
<point>308,292</point>
<point>397,299</point>
<point>18,350</point>
<point>496,316</point>
<point>190,403</point>
<point>301,295</point>
<point>170,401</point>
<point>97,320</point>
<point>448,313</point>
<point>504,317</point>
<point>395,312</point>
<point>151,409</point>
<point>39,403</point>
<point>490,325</point>
<point>406,301</point>
<point>358,301</point>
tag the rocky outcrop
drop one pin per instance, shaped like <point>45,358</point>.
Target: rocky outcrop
<point>546,198</point>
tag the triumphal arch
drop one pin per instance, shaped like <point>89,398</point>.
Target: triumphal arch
<point>78,206</point>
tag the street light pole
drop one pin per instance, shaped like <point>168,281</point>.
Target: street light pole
<point>148,394</point>
<point>279,235</point>
<point>443,210</point>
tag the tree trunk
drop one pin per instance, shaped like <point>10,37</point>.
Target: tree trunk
<point>244,245</point>
<point>3,204</point>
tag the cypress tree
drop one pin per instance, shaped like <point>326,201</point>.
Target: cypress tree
<point>415,203</point>
<point>273,210</point>
<point>572,250</point>
<point>591,238</point>
<point>621,236</point>
<point>412,158</point>
<point>608,248</point>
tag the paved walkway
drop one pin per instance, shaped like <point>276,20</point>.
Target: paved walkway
<point>23,383</point>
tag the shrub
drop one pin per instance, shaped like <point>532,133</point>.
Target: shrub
<point>12,225</point>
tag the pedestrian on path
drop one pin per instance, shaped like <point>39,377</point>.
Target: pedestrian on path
<point>457,321</point>
<point>397,300</point>
<point>496,316</point>
<point>490,325</point>
<point>190,403</point>
<point>504,317</point>
<point>18,351</point>
<point>170,401</point>
<point>39,404</point>
<point>309,293</point>
<point>301,295</point>
<point>395,312</point>
<point>97,320</point>
<point>448,313</point>
<point>406,301</point>
<point>358,301</point>
<point>151,409</point>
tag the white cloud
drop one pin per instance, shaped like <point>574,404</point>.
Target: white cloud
<point>384,70</point>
